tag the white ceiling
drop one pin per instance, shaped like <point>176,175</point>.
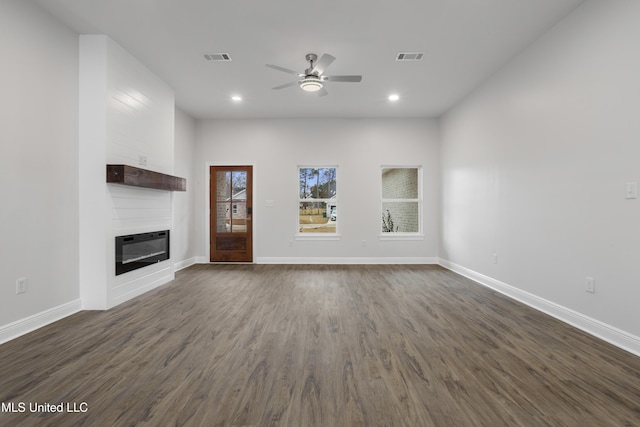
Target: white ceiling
<point>464,42</point>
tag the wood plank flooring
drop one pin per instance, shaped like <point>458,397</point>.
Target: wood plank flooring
<point>265,345</point>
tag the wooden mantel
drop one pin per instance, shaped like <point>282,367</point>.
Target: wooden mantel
<point>137,177</point>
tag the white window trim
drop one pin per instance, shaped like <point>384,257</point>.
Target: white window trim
<point>400,235</point>
<point>315,236</point>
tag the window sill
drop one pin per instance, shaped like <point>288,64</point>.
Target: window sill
<point>401,236</point>
<point>317,236</point>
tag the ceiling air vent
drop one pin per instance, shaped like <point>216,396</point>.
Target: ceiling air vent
<point>217,57</point>
<point>409,56</point>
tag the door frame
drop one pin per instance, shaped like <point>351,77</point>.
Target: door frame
<point>207,207</point>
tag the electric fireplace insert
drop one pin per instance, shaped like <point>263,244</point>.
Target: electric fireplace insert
<point>140,250</point>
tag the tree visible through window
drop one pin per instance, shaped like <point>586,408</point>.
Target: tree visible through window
<point>317,200</point>
<point>401,200</point>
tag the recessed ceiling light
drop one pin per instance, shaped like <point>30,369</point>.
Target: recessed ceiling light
<point>236,98</point>
<point>394,97</point>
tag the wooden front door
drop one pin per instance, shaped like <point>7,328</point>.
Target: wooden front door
<point>231,213</point>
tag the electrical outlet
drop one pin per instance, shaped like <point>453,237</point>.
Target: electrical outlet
<point>21,285</point>
<point>364,243</point>
<point>591,285</point>
<point>142,160</point>
<point>631,190</point>
<point>495,258</point>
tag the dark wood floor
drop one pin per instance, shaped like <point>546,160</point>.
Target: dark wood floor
<point>264,345</point>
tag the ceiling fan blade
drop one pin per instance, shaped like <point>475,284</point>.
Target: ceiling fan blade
<point>285,85</point>
<point>342,78</point>
<point>322,63</point>
<point>284,70</point>
<point>322,92</point>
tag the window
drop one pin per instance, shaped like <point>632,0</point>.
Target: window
<point>317,201</point>
<point>401,201</point>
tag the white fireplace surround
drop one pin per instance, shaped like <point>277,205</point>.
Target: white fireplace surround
<point>126,117</point>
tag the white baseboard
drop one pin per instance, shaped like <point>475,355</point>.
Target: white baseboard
<point>39,320</point>
<point>347,260</point>
<point>184,264</point>
<point>608,333</point>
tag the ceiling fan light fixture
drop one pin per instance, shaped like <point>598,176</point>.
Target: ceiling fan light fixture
<point>313,78</point>
<point>311,84</point>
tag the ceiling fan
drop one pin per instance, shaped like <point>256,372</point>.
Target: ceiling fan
<point>312,79</point>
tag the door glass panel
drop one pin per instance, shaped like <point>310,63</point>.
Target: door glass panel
<point>223,219</point>
<point>231,203</point>
<point>239,184</point>
<point>238,212</point>
<point>223,186</point>
<point>223,202</point>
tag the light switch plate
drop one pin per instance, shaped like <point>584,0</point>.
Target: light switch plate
<point>590,285</point>
<point>631,190</point>
<point>21,285</point>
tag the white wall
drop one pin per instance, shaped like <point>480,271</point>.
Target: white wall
<point>38,167</point>
<point>184,236</point>
<point>358,147</point>
<point>534,166</point>
<point>126,112</point>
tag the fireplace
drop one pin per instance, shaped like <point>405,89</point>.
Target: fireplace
<point>140,250</point>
